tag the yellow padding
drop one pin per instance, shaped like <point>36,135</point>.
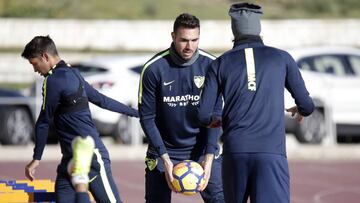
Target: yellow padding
<point>4,188</point>
<point>24,194</point>
<point>10,195</point>
<point>47,185</point>
<point>14,197</point>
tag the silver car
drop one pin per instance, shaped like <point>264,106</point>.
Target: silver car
<point>116,77</point>
<point>332,76</point>
<point>17,117</point>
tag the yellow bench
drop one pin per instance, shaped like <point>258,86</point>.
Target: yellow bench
<point>26,191</point>
<point>18,191</point>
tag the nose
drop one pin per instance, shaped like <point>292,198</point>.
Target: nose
<point>188,45</point>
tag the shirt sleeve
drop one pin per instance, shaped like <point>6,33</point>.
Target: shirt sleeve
<point>147,110</point>
<point>214,133</point>
<point>212,140</point>
<point>294,83</point>
<point>210,102</point>
<point>51,96</point>
<point>108,103</point>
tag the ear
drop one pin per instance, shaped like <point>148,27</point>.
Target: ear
<point>173,36</point>
<point>45,56</point>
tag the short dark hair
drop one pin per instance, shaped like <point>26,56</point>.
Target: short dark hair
<point>186,20</point>
<point>38,46</point>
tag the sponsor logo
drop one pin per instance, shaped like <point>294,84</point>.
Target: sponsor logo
<point>250,68</point>
<point>183,100</point>
<point>252,82</point>
<point>168,83</point>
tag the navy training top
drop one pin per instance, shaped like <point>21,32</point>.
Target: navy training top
<point>251,77</point>
<point>61,82</point>
<point>168,97</point>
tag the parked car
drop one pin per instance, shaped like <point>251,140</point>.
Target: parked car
<point>118,78</point>
<point>17,118</point>
<point>332,76</point>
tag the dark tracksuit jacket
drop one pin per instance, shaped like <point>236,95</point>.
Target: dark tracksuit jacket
<point>168,97</point>
<point>61,84</point>
<point>252,78</point>
<point>169,94</point>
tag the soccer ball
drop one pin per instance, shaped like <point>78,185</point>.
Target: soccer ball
<point>188,177</point>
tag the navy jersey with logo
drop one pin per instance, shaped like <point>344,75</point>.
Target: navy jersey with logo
<point>168,97</point>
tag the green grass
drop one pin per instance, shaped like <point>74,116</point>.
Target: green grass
<point>14,86</point>
<point>169,9</point>
<point>112,9</point>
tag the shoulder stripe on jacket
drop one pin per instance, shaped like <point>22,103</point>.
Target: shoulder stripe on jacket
<point>144,68</point>
<point>204,53</point>
<point>44,89</point>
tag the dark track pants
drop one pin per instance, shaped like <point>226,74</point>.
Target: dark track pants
<point>157,190</point>
<point>82,197</point>
<point>263,177</point>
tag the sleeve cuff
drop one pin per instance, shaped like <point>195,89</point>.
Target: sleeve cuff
<point>161,150</point>
<point>211,149</point>
<point>37,157</point>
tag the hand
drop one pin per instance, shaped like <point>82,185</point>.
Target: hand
<point>216,122</point>
<point>295,113</point>
<point>206,164</point>
<point>31,168</point>
<point>168,165</point>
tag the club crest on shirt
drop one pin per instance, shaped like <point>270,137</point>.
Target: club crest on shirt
<point>199,81</point>
<point>150,163</point>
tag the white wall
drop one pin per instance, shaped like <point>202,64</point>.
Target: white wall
<point>155,35</point>
<point>15,69</point>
